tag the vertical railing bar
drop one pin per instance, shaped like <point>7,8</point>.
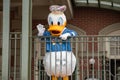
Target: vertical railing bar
<point>118,53</point>
<point>35,53</point>
<point>109,41</point>
<point>50,57</point>
<point>102,70</point>
<point>43,75</point>
<point>77,60</point>
<point>44,47</point>
<point>104,59</point>
<point>40,58</point>
<point>20,54</point>
<point>30,47</point>
<point>46,77</point>
<point>40,71</point>
<point>102,75</point>
<point>98,57</point>
<point>44,54</point>
<point>55,57</point>
<point>34,58</point>
<point>38,61</point>
<point>107,59</point>
<point>72,41</point>
<point>93,57</point>
<point>59,78</point>
<point>118,46</point>
<point>87,44</point>
<point>115,56</point>
<point>111,54</point>
<point>15,47</point>
<point>115,69</point>
<point>82,56</point>
<point>10,56</point>
<point>109,69</point>
<point>30,39</point>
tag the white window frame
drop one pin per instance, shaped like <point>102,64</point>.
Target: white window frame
<point>116,45</point>
<point>110,30</point>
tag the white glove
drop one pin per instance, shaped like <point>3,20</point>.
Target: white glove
<point>64,36</point>
<point>41,29</point>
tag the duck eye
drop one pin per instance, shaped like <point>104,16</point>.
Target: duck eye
<point>50,21</point>
<point>60,21</point>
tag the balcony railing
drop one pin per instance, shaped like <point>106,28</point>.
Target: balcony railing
<point>94,54</point>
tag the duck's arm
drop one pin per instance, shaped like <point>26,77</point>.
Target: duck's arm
<point>67,33</point>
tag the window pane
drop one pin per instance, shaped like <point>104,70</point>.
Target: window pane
<point>81,1</point>
<point>114,45</point>
<point>106,3</point>
<point>93,1</point>
<point>116,5</point>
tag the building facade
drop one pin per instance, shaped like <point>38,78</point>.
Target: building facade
<point>97,24</point>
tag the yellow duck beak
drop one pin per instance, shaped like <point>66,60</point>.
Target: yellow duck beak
<point>56,30</point>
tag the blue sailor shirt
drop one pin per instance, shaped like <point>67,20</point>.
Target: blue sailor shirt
<point>54,44</point>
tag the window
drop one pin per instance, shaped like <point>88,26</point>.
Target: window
<point>113,45</point>
<point>112,41</point>
<point>109,4</point>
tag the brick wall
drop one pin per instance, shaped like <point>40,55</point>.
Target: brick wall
<point>91,20</point>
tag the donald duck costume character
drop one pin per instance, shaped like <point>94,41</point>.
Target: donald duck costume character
<point>59,60</point>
